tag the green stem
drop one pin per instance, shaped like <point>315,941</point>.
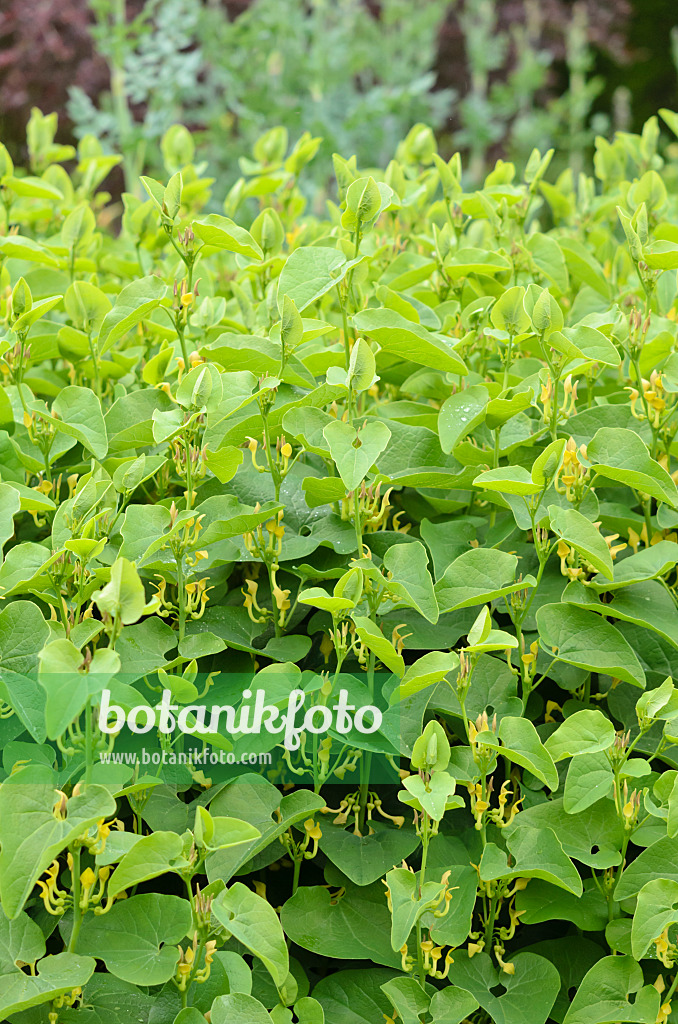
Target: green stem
<point>95,365</point>
<point>296,874</point>
<point>347,341</point>
<point>489,924</point>
<point>88,742</point>
<point>275,473</point>
<point>75,891</point>
<point>554,410</point>
<point>182,341</point>
<point>366,759</point>
<point>189,474</point>
<point>181,595</point>
<point>507,363</point>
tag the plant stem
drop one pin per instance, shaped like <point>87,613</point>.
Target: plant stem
<point>295,875</point>
<point>189,474</point>
<point>75,891</point>
<point>181,595</point>
<point>88,742</point>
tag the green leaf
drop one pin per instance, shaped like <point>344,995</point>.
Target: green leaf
<point>362,366</point>
<point>23,248</point>
<point>57,976</point>
<point>355,926</point>
<point>355,997</point>
<point>32,188</point>
<point>69,683</point>
<point>409,902</point>
<point>621,455</point>
<point>222,233</point>
<point>10,504</point>
<point>584,732</point>
<point>408,999</point>
<point>21,941</point>
<point>355,452</point>
<point>238,1008</point>
<point>429,669</point>
<point>253,799</point>
<point>602,997</point>
<point>137,938</point>
<point>151,856</point>
<point>528,994</point>
<point>460,414</point>
<point>401,337</point>
<point>375,641</point>
<point>291,325</point>
<point>23,632</point>
<point>31,836</point>
<point>520,743</point>
<point>593,836</point>
<point>364,859</point>
<point>508,313</point>
<point>123,598</point>
<point>582,535</point>
<point>255,923</point>
<point>478,576</point>
<point>658,861</point>
<point>589,779</point>
<point>409,578</point>
<point>541,901</point>
<point>134,303</point>
<point>452,1005</point>
<point>535,853</point>
<point>310,272</point>
<point>435,797</point>
<point>584,639</point>
<point>508,480</point>
<point>77,412</point>
<point>656,909</point>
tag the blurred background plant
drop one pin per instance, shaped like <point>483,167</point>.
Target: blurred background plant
<point>493,77</point>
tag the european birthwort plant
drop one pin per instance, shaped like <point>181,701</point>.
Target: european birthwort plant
<point>414,459</point>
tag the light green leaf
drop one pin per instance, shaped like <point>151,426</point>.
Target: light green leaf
<point>409,578</point>
<point>656,909</point>
<point>401,337</point>
<point>620,454</point>
<point>309,272</point>
<point>375,641</point>
<point>582,535</point>
<point>429,669</point>
<point>255,923</point>
<point>478,576</point>
<point>584,732</point>
<point>520,743</point>
<point>31,836</point>
<point>123,598</point>
<point>77,412</point>
<point>134,303</point>
<point>151,856</point>
<point>356,452</point>
<point>460,414</point>
<point>57,975</point>
<point>222,233</point>
<point>508,480</point>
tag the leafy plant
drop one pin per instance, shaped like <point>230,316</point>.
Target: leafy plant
<point>417,455</point>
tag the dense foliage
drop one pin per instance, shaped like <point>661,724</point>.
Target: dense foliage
<point>422,451</point>
<point>494,78</point>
